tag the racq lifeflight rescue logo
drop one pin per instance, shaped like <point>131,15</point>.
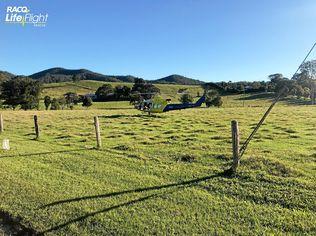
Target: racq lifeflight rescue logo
<point>23,15</point>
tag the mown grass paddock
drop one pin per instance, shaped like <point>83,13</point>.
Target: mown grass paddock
<point>160,174</point>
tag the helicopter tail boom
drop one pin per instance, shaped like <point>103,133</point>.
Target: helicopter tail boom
<point>173,107</point>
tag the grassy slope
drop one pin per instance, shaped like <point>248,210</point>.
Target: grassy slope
<point>167,91</point>
<point>84,87</point>
<point>274,193</point>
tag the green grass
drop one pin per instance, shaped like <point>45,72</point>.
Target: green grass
<point>167,91</point>
<point>86,86</point>
<point>159,174</point>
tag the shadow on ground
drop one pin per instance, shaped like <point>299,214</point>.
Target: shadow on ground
<point>271,96</point>
<point>296,101</point>
<point>143,115</point>
<point>177,186</point>
<point>116,108</point>
<point>257,96</point>
<point>46,153</point>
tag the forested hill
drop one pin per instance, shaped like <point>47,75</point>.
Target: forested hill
<point>177,79</point>
<point>57,74</point>
<point>5,75</point>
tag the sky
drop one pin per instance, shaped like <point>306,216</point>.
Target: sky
<point>244,40</point>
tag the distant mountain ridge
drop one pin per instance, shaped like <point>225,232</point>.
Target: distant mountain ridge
<point>55,75</point>
<point>4,75</point>
<point>178,79</point>
<point>58,74</point>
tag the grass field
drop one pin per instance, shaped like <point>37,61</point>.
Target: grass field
<point>161,174</point>
<point>85,86</point>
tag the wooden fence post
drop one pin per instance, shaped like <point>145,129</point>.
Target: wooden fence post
<point>1,124</point>
<point>235,146</point>
<point>97,132</point>
<point>37,132</point>
<point>313,93</point>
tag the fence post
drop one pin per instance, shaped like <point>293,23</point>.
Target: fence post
<point>97,132</point>
<point>1,123</point>
<point>37,132</point>
<point>313,93</point>
<point>235,146</point>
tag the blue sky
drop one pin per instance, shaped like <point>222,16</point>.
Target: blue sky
<point>202,39</point>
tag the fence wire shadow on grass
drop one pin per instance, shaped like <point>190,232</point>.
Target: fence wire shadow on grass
<point>178,186</point>
<point>47,153</point>
<point>143,115</point>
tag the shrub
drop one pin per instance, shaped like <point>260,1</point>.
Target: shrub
<point>86,101</point>
<point>47,101</point>
<point>55,104</point>
<point>213,99</point>
<point>186,98</point>
<point>71,99</point>
<point>218,102</point>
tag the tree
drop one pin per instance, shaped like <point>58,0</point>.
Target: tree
<point>186,98</point>
<point>21,91</point>
<point>210,96</point>
<point>55,104</point>
<point>47,101</point>
<point>145,89</point>
<point>309,68</point>
<point>279,83</point>
<point>297,90</point>
<point>86,101</point>
<point>75,78</point>
<point>135,97</point>
<point>217,102</point>
<point>122,92</point>
<point>213,99</point>
<point>105,93</point>
<point>71,99</point>
<point>308,77</point>
<point>62,102</point>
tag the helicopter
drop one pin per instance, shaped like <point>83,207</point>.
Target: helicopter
<point>157,104</point>
<point>153,103</point>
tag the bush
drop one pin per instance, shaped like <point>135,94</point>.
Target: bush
<point>218,102</point>
<point>55,104</point>
<point>186,98</point>
<point>213,99</point>
<point>71,99</point>
<point>47,102</point>
<point>58,104</point>
<point>86,101</point>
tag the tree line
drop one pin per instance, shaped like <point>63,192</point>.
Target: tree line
<point>25,92</point>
